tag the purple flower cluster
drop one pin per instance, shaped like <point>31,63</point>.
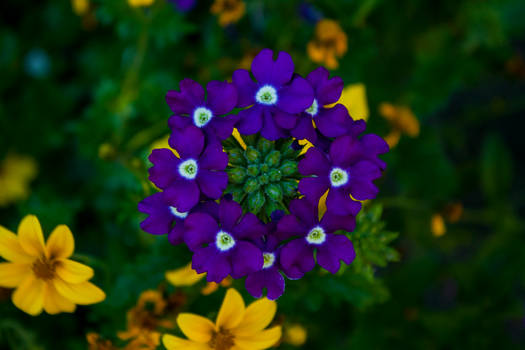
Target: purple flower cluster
<point>194,206</point>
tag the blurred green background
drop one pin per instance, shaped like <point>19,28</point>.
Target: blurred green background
<point>82,96</point>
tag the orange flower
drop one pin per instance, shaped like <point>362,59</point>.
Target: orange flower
<point>229,11</point>
<point>401,120</point>
<point>329,43</point>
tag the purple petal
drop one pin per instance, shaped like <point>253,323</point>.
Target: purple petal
<point>332,222</point>
<point>176,235</point>
<point>297,258</point>
<point>165,167</point>
<point>313,187</point>
<point>188,142</point>
<point>270,129</point>
<point>305,211</point>
<point>318,76</point>
<point>182,194</point>
<point>285,120</point>
<point>296,97</point>
<point>246,88</point>
<point>213,158</point>
<point>246,258</point>
<point>314,163</point>
<point>223,126</point>
<point>229,214</point>
<point>177,122</point>
<point>202,257</point>
<point>250,120</point>
<point>191,94</point>
<point>374,145</point>
<point>289,226</point>
<point>329,91</point>
<point>344,151</point>
<point>304,129</point>
<point>160,219</point>
<point>336,248</point>
<point>339,202</point>
<point>268,71</point>
<point>200,228</point>
<point>212,183</point>
<point>271,279</point>
<point>222,97</point>
<point>249,228</point>
<point>363,190</point>
<point>333,122</point>
<point>219,268</point>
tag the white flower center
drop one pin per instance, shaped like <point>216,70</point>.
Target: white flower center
<point>266,95</point>
<point>269,260</point>
<point>316,235</point>
<point>188,169</point>
<point>202,116</point>
<point>224,241</point>
<point>178,214</point>
<point>313,109</point>
<point>338,177</point>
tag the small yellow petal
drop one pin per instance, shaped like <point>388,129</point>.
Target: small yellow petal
<point>10,248</point>
<point>257,317</point>
<point>195,327</point>
<point>437,225</point>
<point>354,99</point>
<point>238,137</point>
<point>73,272</point>
<point>29,296</point>
<point>261,340</point>
<point>61,244</point>
<point>295,335</point>
<point>12,274</point>
<point>55,303</point>
<point>82,293</point>
<point>185,276</point>
<point>30,236</point>
<point>209,288</point>
<point>172,342</point>
<point>232,310</point>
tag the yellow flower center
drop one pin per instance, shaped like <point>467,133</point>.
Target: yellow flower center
<point>221,340</point>
<point>44,268</point>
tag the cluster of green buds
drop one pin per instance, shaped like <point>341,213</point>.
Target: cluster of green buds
<point>263,176</point>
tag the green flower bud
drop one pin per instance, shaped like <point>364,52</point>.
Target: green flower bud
<point>274,175</point>
<point>249,139</point>
<point>251,185</point>
<point>288,167</point>
<point>289,187</point>
<point>263,179</point>
<point>287,150</point>
<point>252,155</point>
<point>264,168</point>
<point>270,207</point>
<point>253,170</point>
<point>264,146</point>
<point>236,175</point>
<point>236,191</point>
<point>255,201</point>
<point>236,156</point>
<point>273,158</point>
<point>274,192</point>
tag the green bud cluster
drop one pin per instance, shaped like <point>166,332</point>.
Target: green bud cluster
<point>263,177</point>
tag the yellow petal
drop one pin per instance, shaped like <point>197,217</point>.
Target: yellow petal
<point>30,236</point>
<point>61,244</point>
<point>232,310</point>
<point>257,317</point>
<point>29,296</point>
<point>74,272</point>
<point>10,248</point>
<point>238,137</point>
<point>172,342</point>
<point>259,341</point>
<point>12,274</point>
<point>55,303</point>
<point>195,327</point>
<point>209,288</point>
<point>185,276</point>
<point>84,293</point>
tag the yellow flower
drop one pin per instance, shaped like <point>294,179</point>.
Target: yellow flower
<point>163,143</point>
<point>184,277</point>
<point>15,174</point>
<point>437,225</point>
<point>237,327</point>
<point>401,120</point>
<point>295,335</point>
<point>329,43</point>
<point>80,7</point>
<point>353,98</point>
<point>95,342</point>
<point>140,3</point>
<point>229,11</point>
<point>43,275</point>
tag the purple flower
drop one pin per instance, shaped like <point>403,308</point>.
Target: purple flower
<point>224,247</point>
<point>192,107</point>
<point>198,170</point>
<point>165,219</point>
<point>344,171</point>
<point>276,97</point>
<point>269,276</point>
<point>331,122</point>
<point>297,256</point>
<point>183,5</point>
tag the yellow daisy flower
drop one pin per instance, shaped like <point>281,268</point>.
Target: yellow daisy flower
<point>229,11</point>
<point>184,276</point>
<point>16,172</point>
<point>353,98</point>
<point>43,275</point>
<point>237,327</point>
<point>329,43</point>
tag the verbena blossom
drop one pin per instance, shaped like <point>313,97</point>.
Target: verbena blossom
<point>238,160</point>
